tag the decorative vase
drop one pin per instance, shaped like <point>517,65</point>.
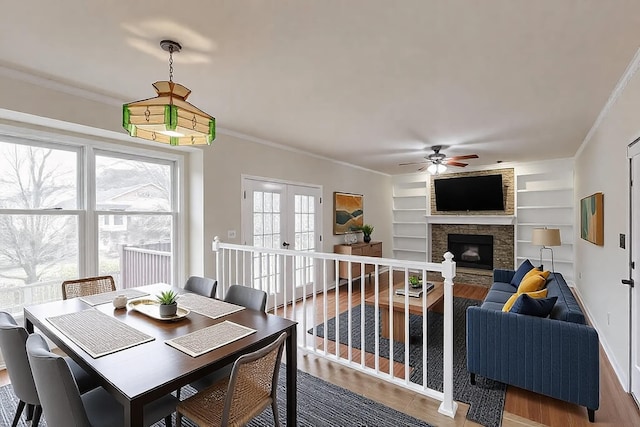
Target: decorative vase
<point>367,238</point>
<point>168,310</point>
<point>120,301</point>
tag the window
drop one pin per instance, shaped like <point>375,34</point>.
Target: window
<point>54,207</point>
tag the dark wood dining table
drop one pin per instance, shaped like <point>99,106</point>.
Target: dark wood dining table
<point>140,374</point>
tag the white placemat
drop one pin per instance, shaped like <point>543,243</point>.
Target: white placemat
<point>209,307</point>
<point>210,338</point>
<point>97,333</point>
<point>106,297</point>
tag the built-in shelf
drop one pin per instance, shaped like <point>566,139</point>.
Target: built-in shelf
<point>547,207</point>
<point>546,190</point>
<point>529,242</point>
<point>409,209</point>
<point>409,237</point>
<point>471,219</point>
<point>409,250</point>
<point>544,224</point>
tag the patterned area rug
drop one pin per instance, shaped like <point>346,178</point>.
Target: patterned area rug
<point>320,404</point>
<point>486,398</point>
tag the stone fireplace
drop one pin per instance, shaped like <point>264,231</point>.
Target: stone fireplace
<point>471,250</point>
<point>474,266</point>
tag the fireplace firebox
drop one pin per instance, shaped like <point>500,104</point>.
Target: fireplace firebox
<point>471,250</point>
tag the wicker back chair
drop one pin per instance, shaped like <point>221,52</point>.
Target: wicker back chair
<point>88,286</point>
<point>237,400</point>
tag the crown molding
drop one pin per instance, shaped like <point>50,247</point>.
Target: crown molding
<point>628,74</point>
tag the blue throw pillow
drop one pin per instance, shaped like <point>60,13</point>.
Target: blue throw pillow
<point>540,307</point>
<point>524,268</point>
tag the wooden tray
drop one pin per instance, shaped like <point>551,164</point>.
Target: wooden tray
<point>151,308</point>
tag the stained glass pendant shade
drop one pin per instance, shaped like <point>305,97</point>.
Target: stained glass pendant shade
<point>168,118</point>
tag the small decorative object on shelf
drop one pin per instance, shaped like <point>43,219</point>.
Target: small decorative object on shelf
<point>350,238</point>
<point>168,304</point>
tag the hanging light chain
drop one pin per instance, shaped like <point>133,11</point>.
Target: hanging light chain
<point>171,64</point>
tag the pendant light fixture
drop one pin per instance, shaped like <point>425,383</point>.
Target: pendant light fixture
<point>169,118</point>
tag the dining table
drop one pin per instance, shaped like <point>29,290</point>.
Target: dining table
<point>144,372</point>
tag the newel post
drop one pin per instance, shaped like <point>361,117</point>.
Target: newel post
<point>448,406</point>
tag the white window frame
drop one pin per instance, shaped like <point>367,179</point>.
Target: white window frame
<point>87,146</point>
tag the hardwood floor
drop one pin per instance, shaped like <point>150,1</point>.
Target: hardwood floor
<point>522,408</point>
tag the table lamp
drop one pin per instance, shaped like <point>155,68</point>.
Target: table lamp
<point>546,237</point>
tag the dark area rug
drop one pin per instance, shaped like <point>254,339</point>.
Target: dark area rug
<point>486,398</point>
<point>320,404</point>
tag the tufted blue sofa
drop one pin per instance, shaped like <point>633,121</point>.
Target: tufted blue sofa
<point>557,356</point>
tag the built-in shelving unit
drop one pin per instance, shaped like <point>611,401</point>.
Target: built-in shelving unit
<point>544,198</point>
<point>409,210</point>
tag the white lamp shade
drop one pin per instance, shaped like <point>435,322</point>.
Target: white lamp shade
<point>546,237</point>
<point>434,168</point>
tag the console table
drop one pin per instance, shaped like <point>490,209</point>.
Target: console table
<point>371,249</point>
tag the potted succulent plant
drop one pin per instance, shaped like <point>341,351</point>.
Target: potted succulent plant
<point>168,305</point>
<point>366,229</point>
<point>415,281</point>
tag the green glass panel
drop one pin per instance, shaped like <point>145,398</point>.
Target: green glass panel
<point>126,120</point>
<point>170,117</point>
<point>212,131</point>
<point>174,140</point>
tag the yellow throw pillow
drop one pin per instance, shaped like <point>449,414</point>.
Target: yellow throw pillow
<point>542,293</point>
<point>531,284</point>
<point>535,271</point>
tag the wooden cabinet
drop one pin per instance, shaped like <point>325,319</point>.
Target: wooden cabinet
<point>371,249</point>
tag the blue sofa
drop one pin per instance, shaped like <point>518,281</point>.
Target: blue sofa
<point>557,356</point>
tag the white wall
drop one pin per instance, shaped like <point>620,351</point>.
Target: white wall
<point>602,166</point>
<point>213,174</point>
<point>230,157</point>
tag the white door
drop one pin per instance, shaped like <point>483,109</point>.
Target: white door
<point>280,215</point>
<point>634,154</point>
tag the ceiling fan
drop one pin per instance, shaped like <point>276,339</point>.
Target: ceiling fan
<point>435,162</point>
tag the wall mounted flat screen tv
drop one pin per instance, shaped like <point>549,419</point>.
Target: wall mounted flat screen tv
<point>469,193</point>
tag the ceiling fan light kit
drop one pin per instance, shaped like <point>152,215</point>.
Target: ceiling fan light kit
<point>437,162</point>
<point>168,118</point>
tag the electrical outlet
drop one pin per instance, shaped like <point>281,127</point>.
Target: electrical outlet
<point>231,234</point>
<point>608,319</point>
<point>622,241</point>
<point>580,275</point>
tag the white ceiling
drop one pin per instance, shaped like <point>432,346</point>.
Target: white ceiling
<point>369,82</point>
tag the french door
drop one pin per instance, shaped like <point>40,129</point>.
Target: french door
<point>281,215</point>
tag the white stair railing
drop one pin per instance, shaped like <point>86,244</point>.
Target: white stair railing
<point>298,284</point>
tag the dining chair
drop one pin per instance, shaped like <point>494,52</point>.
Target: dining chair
<point>247,297</point>
<point>64,406</point>
<point>254,299</point>
<point>238,399</point>
<point>202,286</point>
<point>88,286</point>
<point>13,339</point>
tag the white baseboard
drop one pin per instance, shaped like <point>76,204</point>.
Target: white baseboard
<point>621,373</point>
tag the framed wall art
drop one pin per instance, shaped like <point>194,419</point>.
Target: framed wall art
<point>348,212</point>
<point>592,218</point>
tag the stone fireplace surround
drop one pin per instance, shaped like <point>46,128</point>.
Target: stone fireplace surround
<point>503,249</point>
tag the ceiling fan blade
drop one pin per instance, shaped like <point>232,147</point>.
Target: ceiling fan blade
<point>422,168</point>
<point>468,156</point>
<point>452,163</point>
<point>411,163</point>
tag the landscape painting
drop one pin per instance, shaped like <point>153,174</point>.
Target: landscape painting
<point>592,218</point>
<point>348,212</point>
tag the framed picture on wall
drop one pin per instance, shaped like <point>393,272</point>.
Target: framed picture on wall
<point>592,218</point>
<point>348,212</point>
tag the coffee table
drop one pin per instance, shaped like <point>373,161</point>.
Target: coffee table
<point>435,302</point>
